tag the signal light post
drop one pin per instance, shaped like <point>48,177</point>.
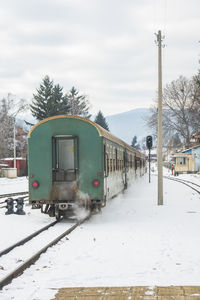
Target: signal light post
<point>149,144</point>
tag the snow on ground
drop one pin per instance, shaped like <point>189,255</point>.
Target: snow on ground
<point>14,185</point>
<point>15,227</point>
<point>132,242</point>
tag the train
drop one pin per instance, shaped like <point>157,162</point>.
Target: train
<point>74,162</point>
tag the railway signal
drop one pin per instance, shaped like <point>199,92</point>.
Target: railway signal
<point>149,144</point>
<point>10,206</point>
<point>20,206</point>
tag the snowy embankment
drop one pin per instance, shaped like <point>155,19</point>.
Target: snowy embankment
<point>132,242</point>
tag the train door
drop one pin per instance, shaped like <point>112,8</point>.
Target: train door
<point>64,159</point>
<point>64,174</point>
<point>106,173</point>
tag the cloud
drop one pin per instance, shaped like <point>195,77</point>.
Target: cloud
<point>104,48</point>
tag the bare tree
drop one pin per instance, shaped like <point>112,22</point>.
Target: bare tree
<point>9,109</point>
<point>195,113</point>
<point>179,105</point>
<point>78,104</point>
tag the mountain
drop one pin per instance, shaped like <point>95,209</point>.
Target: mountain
<point>126,125</point>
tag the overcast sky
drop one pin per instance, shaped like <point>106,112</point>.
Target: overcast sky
<point>105,48</point>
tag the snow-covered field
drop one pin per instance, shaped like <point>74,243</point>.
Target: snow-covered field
<point>132,242</point>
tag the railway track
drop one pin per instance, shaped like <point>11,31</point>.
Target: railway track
<point>26,239</point>
<point>13,194</point>
<point>6,196</point>
<point>186,182</point>
<point>25,261</point>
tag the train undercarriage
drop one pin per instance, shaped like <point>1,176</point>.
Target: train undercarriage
<point>67,209</point>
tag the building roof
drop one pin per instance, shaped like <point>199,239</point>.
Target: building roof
<point>194,147</point>
<point>182,154</point>
<point>12,158</point>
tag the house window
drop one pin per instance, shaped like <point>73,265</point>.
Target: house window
<point>181,160</point>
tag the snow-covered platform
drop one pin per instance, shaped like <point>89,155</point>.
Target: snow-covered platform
<point>133,242</point>
<point>130,293</point>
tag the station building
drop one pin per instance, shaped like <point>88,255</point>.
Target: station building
<point>188,161</point>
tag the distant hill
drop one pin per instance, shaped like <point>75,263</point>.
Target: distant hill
<point>126,125</point>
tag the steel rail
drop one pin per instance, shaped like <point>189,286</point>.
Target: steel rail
<point>19,270</point>
<point>13,194</point>
<point>183,182</point>
<point>26,239</point>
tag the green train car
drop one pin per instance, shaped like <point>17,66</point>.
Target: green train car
<point>73,162</point>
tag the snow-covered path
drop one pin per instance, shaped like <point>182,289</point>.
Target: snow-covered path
<point>133,242</point>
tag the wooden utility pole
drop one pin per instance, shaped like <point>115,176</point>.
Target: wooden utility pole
<point>14,142</point>
<point>159,141</point>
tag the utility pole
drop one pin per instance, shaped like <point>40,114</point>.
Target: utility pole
<point>159,141</point>
<point>14,142</point>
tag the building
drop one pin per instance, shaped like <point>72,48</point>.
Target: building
<point>21,164</point>
<point>188,161</point>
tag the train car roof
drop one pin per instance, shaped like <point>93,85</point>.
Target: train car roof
<point>102,132</point>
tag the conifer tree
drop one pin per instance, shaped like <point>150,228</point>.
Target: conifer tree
<point>100,119</point>
<point>78,104</point>
<point>135,143</point>
<point>49,100</point>
<point>59,101</point>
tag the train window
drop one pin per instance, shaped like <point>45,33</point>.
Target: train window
<point>116,159</point>
<point>138,163</point>
<point>110,165</point>
<point>135,163</point>
<point>128,160</point>
<point>124,160</point>
<point>105,162</point>
<point>104,153</point>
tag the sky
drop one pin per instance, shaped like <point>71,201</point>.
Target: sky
<point>105,48</point>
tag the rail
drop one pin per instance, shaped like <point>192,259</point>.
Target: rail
<point>185,182</point>
<point>19,270</point>
<point>26,239</point>
<point>13,194</point>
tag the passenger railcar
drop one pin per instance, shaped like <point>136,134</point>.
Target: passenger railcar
<point>74,162</point>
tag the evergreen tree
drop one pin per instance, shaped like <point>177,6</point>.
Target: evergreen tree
<point>78,104</point>
<point>135,143</point>
<point>101,121</point>
<point>49,100</point>
<point>60,101</point>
